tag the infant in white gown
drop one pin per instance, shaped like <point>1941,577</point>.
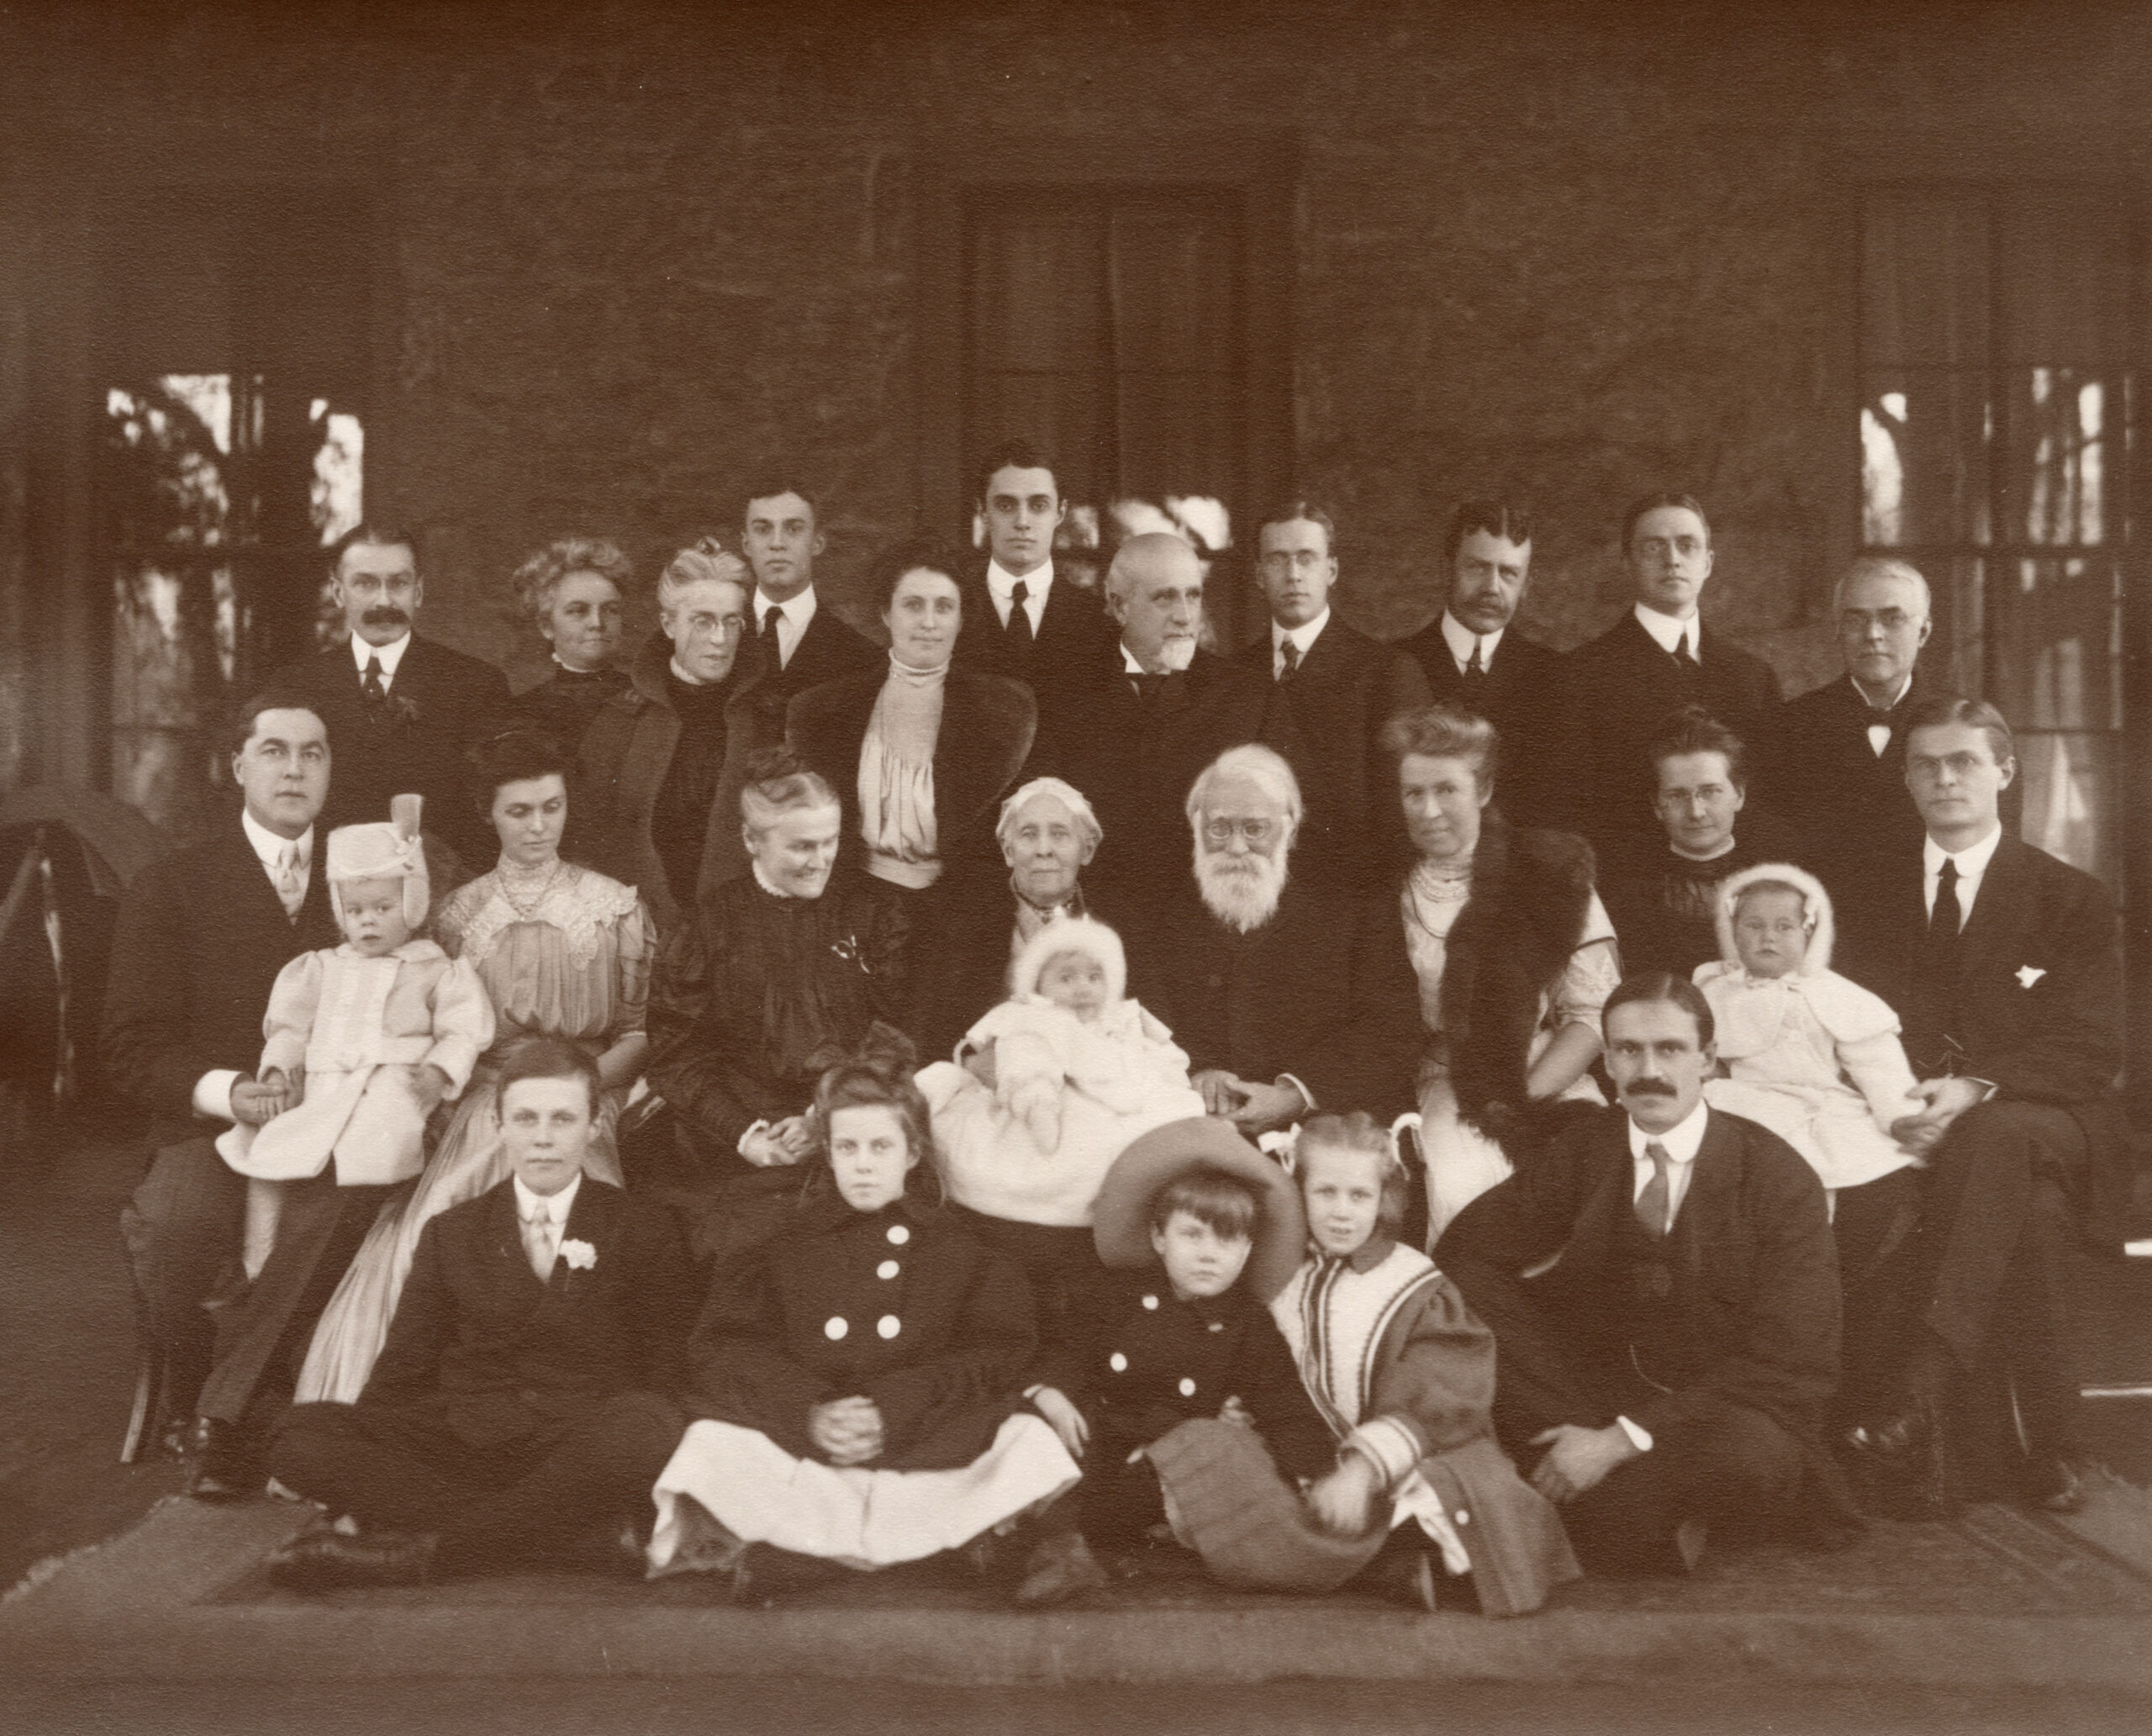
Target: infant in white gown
<point>1079,1073</point>
<point>1811,1055</point>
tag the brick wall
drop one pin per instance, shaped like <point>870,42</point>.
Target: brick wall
<point>1566,251</point>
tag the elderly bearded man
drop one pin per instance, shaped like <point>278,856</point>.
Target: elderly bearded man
<point>1048,835</point>
<point>1288,997</point>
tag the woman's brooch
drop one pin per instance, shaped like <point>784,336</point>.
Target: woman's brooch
<point>851,953</point>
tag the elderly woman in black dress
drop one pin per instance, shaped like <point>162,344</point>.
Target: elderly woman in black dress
<point>781,973</point>
<point>920,753</point>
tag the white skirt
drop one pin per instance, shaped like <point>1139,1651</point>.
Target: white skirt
<point>726,1487</point>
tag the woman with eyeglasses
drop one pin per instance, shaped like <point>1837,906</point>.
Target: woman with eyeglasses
<point>920,754</point>
<point>562,952</point>
<point>1514,954</point>
<point>664,759</point>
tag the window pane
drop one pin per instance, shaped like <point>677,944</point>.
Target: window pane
<point>1924,279</point>
<point>2065,458</point>
<point>2058,623</point>
<point>2072,793</point>
<point>1924,441</point>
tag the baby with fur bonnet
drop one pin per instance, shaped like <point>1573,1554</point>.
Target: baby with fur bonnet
<point>1810,1054</point>
<point>1079,1072</point>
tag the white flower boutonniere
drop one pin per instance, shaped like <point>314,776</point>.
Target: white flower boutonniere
<point>580,1255</point>
<point>2029,975</point>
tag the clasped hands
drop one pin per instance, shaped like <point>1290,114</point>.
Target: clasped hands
<point>779,1144</point>
<point>255,1102</point>
<point>1942,1101</point>
<point>1250,1106</point>
<point>847,1430</point>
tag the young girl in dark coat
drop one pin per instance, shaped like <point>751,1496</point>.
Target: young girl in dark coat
<point>859,1377</point>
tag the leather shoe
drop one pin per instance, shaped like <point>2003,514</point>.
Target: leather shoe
<point>322,1560</point>
<point>2055,1485</point>
<point>1907,1450</point>
<point>227,1465</point>
<point>1403,1575</point>
<point>1061,1567</point>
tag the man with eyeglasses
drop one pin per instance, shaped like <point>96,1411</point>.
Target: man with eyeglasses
<point>1340,688</point>
<point>664,760</point>
<point>1287,996</point>
<point>1475,656</point>
<point>402,710</point>
<point>1160,710</point>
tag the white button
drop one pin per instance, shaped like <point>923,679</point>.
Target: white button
<point>888,1269</point>
<point>1187,1388</point>
<point>1464,1517</point>
<point>899,1234</point>
<point>1150,1302</point>
<point>889,1326</point>
<point>837,1328</point>
<point>1117,1363</point>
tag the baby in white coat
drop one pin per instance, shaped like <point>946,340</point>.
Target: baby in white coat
<point>1813,1056</point>
<point>1079,1072</point>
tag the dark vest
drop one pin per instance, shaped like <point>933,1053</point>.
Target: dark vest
<point>1653,1307</point>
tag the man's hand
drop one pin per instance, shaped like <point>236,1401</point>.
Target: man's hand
<point>765,1147</point>
<point>1579,1458</point>
<point>255,1102</point>
<point>1221,1093</point>
<point>1264,1107</point>
<point>1942,1101</point>
<point>1342,1499</point>
<point>1233,1411</point>
<point>794,1137</point>
<point>429,1085</point>
<point>1055,1405</point>
<point>848,1431</point>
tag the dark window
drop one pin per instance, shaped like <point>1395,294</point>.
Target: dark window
<point>1996,422</point>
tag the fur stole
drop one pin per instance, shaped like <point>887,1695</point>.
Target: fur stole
<point>1530,890</point>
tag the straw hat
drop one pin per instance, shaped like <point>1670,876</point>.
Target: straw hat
<point>1120,1220</point>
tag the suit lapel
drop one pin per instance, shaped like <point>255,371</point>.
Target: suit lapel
<point>1608,1188</point>
<point>1993,920</point>
<point>1711,1176</point>
<point>504,1235</point>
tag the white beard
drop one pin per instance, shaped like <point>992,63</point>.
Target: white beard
<point>1177,654</point>
<point>1243,898</point>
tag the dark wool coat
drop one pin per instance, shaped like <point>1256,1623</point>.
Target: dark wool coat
<point>1523,698</point>
<point>1753,1269</point>
<point>1138,1361</point>
<point>1345,691</point>
<point>200,939</point>
<point>831,649</point>
<point>901,1306</point>
<point>1531,892</point>
<point>987,725</point>
<point>564,704</point>
<point>440,703</point>
<point>1075,639</point>
<point>481,1343</point>
<point>627,752</point>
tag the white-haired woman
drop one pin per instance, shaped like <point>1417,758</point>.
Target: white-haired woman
<point>664,758</point>
<point>571,590</point>
<point>779,973</point>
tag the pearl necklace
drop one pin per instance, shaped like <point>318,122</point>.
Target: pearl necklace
<point>527,910</point>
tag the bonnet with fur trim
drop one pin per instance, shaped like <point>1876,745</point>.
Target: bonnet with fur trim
<point>1071,934</point>
<point>383,850</point>
<point>1822,926</point>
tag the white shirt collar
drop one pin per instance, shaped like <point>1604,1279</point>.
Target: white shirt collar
<point>798,609</point>
<point>1129,665</point>
<point>1897,693</point>
<point>391,655</point>
<point>1667,632</point>
<point>555,1206</point>
<point>270,848</point>
<point>1304,637</point>
<point>1680,1140</point>
<point>1002,581</point>
<point>1460,639</point>
<point>1972,860</point>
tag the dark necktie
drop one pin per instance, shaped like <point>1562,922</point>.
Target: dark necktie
<point>1475,671</point>
<point>772,655</point>
<point>1944,920</point>
<point>1684,660</point>
<point>1288,655</point>
<point>1658,1194</point>
<point>1148,686</point>
<point>1019,616</point>
<point>370,689</point>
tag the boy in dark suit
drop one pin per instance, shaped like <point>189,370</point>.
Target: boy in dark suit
<point>520,1411</point>
<point>804,642</point>
<point>1670,1370</point>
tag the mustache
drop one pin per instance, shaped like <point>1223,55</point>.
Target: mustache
<point>385,615</point>
<point>1648,1088</point>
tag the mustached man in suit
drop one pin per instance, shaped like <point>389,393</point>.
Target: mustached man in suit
<point>1669,1371</point>
<point>1475,659</point>
<point>402,710</point>
<point>201,937</point>
<point>1657,659</point>
<point>1023,620</point>
<point>803,643</point>
<point>1340,687</point>
<point>2008,973</point>
<point>519,1412</point>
